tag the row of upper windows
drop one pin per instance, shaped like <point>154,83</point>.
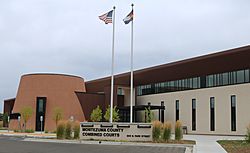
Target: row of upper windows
<point>228,78</point>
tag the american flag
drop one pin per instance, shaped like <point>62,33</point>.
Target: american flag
<point>107,17</point>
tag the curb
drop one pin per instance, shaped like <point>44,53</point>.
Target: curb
<point>190,147</point>
<point>28,136</point>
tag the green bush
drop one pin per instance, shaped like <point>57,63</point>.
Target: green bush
<point>1,124</point>
<point>60,131</point>
<point>115,114</point>
<point>76,129</point>
<point>178,131</point>
<point>29,131</point>
<point>167,131</point>
<point>157,130</point>
<point>96,114</point>
<point>68,130</point>
<point>17,131</point>
<point>248,134</point>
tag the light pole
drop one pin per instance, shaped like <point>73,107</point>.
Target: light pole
<point>19,124</point>
<point>41,119</point>
<point>8,123</point>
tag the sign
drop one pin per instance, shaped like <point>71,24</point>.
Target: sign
<point>116,131</point>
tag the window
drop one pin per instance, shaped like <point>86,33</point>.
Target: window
<point>120,91</point>
<point>40,105</point>
<point>195,82</point>
<point>212,80</point>
<point>212,114</point>
<point>162,112</point>
<point>240,76</point>
<point>233,113</point>
<point>246,75</point>
<point>177,107</point>
<point>225,78</point>
<point>193,114</point>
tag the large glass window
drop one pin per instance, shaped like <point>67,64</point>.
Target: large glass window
<point>233,113</point>
<point>212,114</point>
<point>193,114</point>
<point>213,80</point>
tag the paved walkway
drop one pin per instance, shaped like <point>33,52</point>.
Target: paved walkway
<point>30,135</point>
<point>204,143</point>
<point>208,144</point>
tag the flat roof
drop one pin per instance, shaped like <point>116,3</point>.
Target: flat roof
<point>229,60</point>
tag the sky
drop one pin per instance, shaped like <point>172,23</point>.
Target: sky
<point>66,36</point>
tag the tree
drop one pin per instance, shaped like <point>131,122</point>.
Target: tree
<point>57,114</point>
<point>5,119</point>
<point>1,116</point>
<point>96,115</point>
<point>149,115</point>
<point>115,114</point>
<point>26,113</point>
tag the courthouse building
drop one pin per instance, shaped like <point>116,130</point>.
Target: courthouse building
<point>210,94</point>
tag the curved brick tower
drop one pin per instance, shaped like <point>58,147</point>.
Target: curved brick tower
<point>44,92</point>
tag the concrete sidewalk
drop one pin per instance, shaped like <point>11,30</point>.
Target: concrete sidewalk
<point>28,135</point>
<point>208,144</point>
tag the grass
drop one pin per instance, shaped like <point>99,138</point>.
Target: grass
<point>181,142</point>
<point>235,146</point>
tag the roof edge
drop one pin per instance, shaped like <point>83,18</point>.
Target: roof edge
<point>60,74</point>
<point>218,53</point>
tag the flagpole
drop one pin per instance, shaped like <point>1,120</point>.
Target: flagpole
<point>131,74</point>
<point>112,70</point>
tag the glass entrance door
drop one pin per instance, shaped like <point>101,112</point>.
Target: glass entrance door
<point>40,111</point>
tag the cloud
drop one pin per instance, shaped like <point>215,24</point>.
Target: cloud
<point>64,36</point>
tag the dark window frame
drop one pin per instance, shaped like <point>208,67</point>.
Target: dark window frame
<point>233,113</point>
<point>177,110</point>
<point>194,114</point>
<point>212,114</point>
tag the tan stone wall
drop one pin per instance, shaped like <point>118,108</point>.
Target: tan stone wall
<point>222,108</point>
<point>60,92</point>
<point>116,131</point>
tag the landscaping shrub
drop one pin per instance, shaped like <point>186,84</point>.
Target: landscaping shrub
<point>178,131</point>
<point>68,130</point>
<point>76,129</point>
<point>157,130</point>
<point>17,131</point>
<point>115,115</point>
<point>167,131</point>
<point>60,131</point>
<point>96,115</point>
<point>248,134</point>
<point>29,131</point>
<point>1,124</point>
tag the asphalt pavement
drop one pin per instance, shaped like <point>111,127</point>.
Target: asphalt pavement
<point>17,145</point>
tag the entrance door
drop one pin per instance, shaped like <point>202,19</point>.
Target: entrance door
<point>40,111</point>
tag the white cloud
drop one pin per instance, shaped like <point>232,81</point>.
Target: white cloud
<point>67,36</point>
